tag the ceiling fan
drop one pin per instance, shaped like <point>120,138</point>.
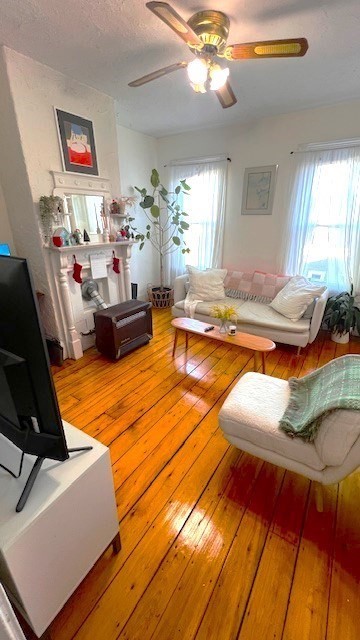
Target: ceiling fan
<point>206,34</point>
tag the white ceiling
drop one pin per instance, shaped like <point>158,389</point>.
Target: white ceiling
<point>108,43</point>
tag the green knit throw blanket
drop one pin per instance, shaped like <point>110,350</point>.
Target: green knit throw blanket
<point>336,385</point>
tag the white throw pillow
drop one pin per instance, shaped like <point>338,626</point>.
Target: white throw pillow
<point>293,300</point>
<point>207,285</point>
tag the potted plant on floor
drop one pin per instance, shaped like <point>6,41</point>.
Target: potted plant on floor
<point>165,229</point>
<point>341,316</point>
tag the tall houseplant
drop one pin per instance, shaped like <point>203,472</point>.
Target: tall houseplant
<point>165,228</point>
<point>342,315</point>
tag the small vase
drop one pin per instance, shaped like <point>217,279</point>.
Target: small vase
<point>223,326</point>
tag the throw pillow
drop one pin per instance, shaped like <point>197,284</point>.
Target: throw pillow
<point>293,300</point>
<point>258,285</point>
<point>268,284</point>
<point>207,285</point>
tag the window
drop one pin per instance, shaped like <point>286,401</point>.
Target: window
<point>325,226</point>
<point>205,205</point>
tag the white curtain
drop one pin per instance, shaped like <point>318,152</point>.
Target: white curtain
<point>323,236</point>
<point>205,204</point>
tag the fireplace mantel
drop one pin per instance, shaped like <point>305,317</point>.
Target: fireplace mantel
<point>75,315</point>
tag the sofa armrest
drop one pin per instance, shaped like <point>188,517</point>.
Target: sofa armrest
<point>318,314</point>
<point>179,288</point>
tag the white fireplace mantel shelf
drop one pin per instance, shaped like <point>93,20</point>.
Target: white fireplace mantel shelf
<point>74,314</point>
<point>92,245</point>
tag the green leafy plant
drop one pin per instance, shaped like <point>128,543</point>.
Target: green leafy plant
<point>50,208</point>
<point>166,224</point>
<point>342,313</point>
<point>224,312</point>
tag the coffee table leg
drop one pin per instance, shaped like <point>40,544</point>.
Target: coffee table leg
<point>263,361</point>
<point>186,340</point>
<point>175,341</point>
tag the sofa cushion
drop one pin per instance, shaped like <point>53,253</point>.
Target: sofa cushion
<point>252,412</point>
<point>293,300</point>
<point>206,285</point>
<point>204,308</point>
<point>264,315</point>
<point>253,313</point>
<point>337,434</point>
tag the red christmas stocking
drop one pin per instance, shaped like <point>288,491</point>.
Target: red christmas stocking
<point>77,271</point>
<point>116,264</point>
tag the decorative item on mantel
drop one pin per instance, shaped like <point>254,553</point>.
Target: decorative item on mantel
<point>105,224</point>
<point>51,213</point>
<point>118,205</point>
<point>61,237</point>
<point>165,230</point>
<point>86,237</point>
<point>77,236</point>
<point>118,216</point>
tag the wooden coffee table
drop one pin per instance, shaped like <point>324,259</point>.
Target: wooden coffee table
<point>255,343</point>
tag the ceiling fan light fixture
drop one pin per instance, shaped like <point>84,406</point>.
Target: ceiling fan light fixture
<point>198,88</point>
<point>197,71</point>
<point>218,77</point>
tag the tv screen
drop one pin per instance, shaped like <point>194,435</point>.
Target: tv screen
<point>29,412</point>
<point>26,379</point>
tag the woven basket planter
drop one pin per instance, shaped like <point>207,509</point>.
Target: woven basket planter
<point>161,299</point>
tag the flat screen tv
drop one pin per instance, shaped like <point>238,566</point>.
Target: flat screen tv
<point>29,412</point>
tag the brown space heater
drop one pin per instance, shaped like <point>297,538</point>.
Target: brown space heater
<point>122,328</point>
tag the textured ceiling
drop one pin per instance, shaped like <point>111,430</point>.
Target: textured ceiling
<point>108,43</point>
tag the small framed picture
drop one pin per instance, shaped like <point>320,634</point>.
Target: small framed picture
<point>77,143</point>
<point>258,190</point>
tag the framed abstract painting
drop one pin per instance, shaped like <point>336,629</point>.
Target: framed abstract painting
<point>258,190</point>
<point>77,143</point>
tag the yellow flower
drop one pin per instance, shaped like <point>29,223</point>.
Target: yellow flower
<point>224,312</point>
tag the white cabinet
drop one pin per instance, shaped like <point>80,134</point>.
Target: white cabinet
<point>68,521</point>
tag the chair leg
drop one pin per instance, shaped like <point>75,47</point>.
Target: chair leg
<point>298,351</point>
<point>319,496</point>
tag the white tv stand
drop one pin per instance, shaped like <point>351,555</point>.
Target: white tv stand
<point>68,521</point>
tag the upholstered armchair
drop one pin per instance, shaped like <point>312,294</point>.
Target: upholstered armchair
<point>250,419</point>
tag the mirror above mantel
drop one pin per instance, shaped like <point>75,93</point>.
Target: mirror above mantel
<point>85,201</point>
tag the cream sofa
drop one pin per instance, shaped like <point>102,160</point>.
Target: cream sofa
<point>255,317</point>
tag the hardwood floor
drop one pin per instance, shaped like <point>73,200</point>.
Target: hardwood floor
<point>216,544</point>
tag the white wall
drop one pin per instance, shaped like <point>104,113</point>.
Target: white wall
<point>28,132</point>
<point>137,157</point>
<point>256,241</point>
<point>5,230</point>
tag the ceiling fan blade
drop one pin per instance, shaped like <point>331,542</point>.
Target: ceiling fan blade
<point>290,48</point>
<point>157,74</point>
<point>226,96</point>
<point>168,15</point>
